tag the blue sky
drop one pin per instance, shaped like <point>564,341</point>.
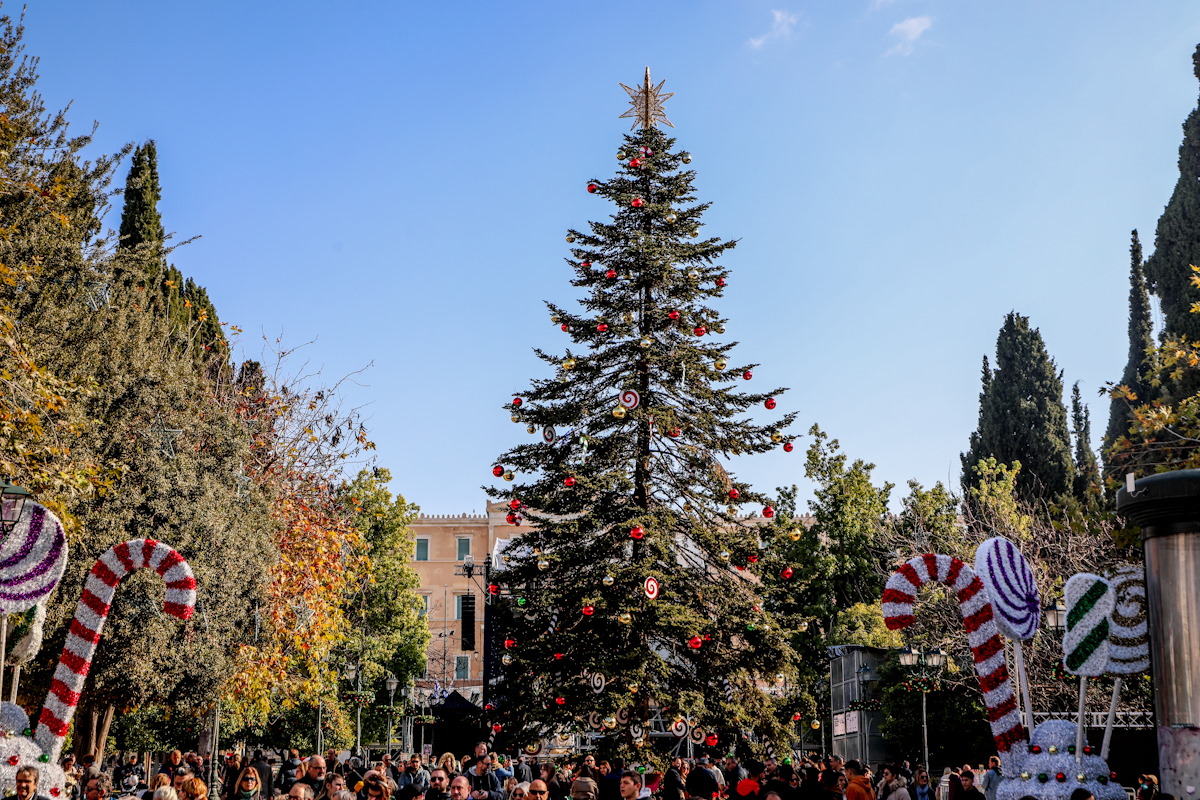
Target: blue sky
<point>393,180</point>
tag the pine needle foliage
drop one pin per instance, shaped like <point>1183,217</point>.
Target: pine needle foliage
<point>575,584</point>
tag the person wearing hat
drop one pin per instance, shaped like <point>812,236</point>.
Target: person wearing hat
<point>1147,788</point>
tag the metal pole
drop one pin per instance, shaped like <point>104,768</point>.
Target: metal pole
<point>391,713</point>
<point>925,729</point>
<point>358,715</point>
<point>216,745</point>
<point>320,731</point>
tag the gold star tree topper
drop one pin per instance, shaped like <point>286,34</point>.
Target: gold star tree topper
<point>647,104</point>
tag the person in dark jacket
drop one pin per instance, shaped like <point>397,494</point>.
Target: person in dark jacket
<point>523,772</point>
<point>701,783</point>
<point>672,785</point>
<point>484,783</point>
<point>289,771</point>
<point>439,785</point>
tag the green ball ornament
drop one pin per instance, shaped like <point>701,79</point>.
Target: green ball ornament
<point>787,759</point>
<point>749,626</point>
<point>641,770</point>
<point>521,601</point>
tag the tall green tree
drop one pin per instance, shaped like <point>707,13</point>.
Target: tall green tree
<point>1177,239</point>
<point>1022,416</point>
<point>620,494</point>
<point>1087,469</point>
<point>1141,341</point>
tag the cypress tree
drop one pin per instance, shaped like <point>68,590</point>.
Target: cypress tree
<point>625,483</point>
<point>1087,469</point>
<point>1177,240</point>
<point>1141,331</point>
<point>141,224</point>
<point>1022,416</point>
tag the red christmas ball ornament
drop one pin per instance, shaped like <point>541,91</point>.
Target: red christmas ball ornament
<point>768,512</point>
<point>747,375</point>
<point>514,504</point>
<point>769,404</point>
<point>592,188</point>
<point>510,644</point>
<point>585,264</point>
<point>1060,776</point>
<point>635,162</point>
<point>720,281</point>
<point>711,740</point>
<point>752,558</point>
<point>788,447</point>
<point>517,402</point>
<point>569,480</point>
<point>612,273</point>
<point>700,330</point>
<point>675,433</point>
<point>497,727</point>
<point>561,700</point>
<point>787,573</point>
<point>795,717</point>
<point>511,519</point>
<point>1112,775</point>
<point>734,494</point>
<point>637,532</point>
<point>602,327</point>
<point>1035,749</point>
<point>588,610</point>
<point>55,791</point>
<point>565,327</point>
<point>14,760</point>
<point>674,315</point>
<point>558,656</point>
<point>493,588</point>
<point>638,202</point>
<point>497,470</point>
<point>695,642</point>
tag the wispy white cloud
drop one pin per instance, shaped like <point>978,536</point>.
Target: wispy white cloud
<point>908,31</point>
<point>783,24</point>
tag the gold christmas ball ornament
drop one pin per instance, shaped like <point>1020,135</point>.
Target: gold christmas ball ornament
<point>670,218</point>
<point>515,417</point>
<point>506,659</point>
<point>693,274</point>
<point>732,510</point>
<point>802,626</point>
<point>625,618</point>
<point>724,554</point>
<point>687,158</point>
<point>508,476</point>
<point>530,429</point>
<point>543,564</point>
<point>720,364</point>
<point>562,378</point>
<point>609,580</point>
<point>794,534</point>
<point>619,412</point>
<point>568,364</point>
<point>644,343</point>
<point>633,687</point>
<point>627,317</point>
<point>555,319</point>
<point>609,722</point>
<point>570,239</point>
<point>776,437</point>
<point>695,233</point>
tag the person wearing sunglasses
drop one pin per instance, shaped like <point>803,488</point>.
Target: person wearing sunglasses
<point>248,786</point>
<point>537,790</point>
<point>439,785</point>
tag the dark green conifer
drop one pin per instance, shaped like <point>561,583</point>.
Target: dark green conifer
<point>1141,332</point>
<point>1022,416</point>
<point>1177,240</point>
<point>1087,469</point>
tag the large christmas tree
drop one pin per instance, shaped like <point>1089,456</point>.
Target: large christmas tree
<point>630,602</point>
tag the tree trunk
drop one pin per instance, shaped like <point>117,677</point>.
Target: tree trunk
<point>92,723</point>
<point>102,726</point>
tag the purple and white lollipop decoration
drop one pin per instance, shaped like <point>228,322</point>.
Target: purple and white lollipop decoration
<point>1009,579</point>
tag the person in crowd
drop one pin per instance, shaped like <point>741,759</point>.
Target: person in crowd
<point>480,751</point>
<point>301,790</point>
<point>174,761</point>
<point>538,790</point>
<point>520,791</point>
<point>584,788</point>
<point>781,783</point>
<point>969,790</point>
<point>733,771</point>
<point>332,784</point>
<point>71,775</point>
<point>165,792</point>
<point>266,775</point>
<point>522,771</point>
<point>950,785</point>
<point>831,784</point>
<point>26,784</point>
<point>181,774</point>
<point>314,775</point>
<point>448,763</point>
<point>388,768</point>
<point>289,771</point>
<point>157,782</point>
<point>989,781</point>
<point>247,786</point>
<point>439,785</point>
<point>193,789</point>
<point>375,787</point>
<point>460,788</point>
<point>414,774</point>
<point>858,786</point>
<point>921,788</point>
<point>672,785</point>
<point>701,784</point>
<point>630,785</point>
<point>1147,787</point>
<point>893,784</point>
<point>346,794</point>
<point>130,767</point>
<point>484,783</point>
<point>1082,793</point>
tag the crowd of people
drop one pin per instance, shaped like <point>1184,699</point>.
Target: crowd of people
<point>483,775</point>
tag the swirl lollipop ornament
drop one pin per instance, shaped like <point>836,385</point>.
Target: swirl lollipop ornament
<point>1089,601</point>
<point>1128,636</point>
<point>1009,580</point>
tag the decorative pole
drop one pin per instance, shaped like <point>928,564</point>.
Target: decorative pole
<point>1167,509</point>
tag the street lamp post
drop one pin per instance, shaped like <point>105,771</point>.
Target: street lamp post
<point>12,502</point>
<point>391,683</point>
<point>353,673</point>
<point>928,664</point>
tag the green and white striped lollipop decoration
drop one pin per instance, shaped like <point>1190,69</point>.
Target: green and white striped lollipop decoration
<point>1089,601</point>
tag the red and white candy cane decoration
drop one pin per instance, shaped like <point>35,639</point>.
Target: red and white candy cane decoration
<point>982,633</point>
<point>88,623</point>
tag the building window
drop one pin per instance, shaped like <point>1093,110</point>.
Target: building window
<point>462,668</point>
<point>423,611</point>
<point>422,549</point>
<point>464,548</point>
<point>458,603</point>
